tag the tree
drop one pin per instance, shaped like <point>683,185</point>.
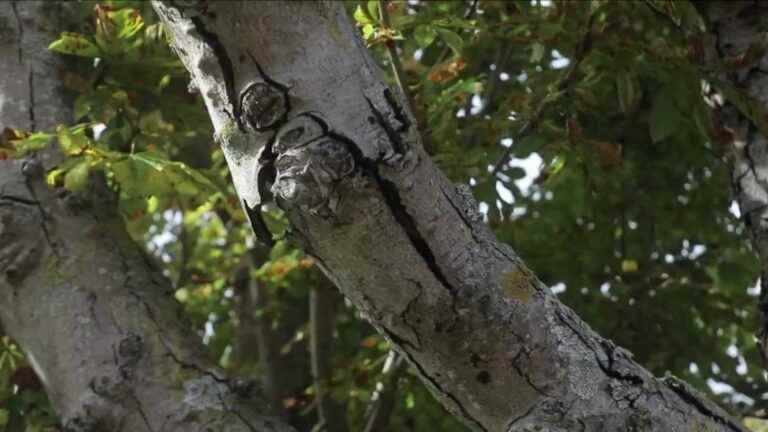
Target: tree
<point>345,162</point>
<point>307,116</point>
<point>94,317</point>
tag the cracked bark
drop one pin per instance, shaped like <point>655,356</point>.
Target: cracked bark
<point>407,247</point>
<point>735,26</point>
<point>95,320</point>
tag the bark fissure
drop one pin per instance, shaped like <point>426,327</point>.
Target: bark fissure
<point>31,109</point>
<point>686,394</point>
<point>392,197</point>
<point>141,412</point>
<point>394,137</point>
<point>435,383</point>
<point>19,200</point>
<point>43,218</point>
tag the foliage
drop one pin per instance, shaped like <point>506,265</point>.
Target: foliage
<point>618,195</point>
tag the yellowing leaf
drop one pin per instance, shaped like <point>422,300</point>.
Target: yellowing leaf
<point>361,16</point>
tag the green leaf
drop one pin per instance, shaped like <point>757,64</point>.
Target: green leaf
<point>76,178</point>
<point>665,118</point>
<point>128,22</point>
<point>72,142</point>
<point>373,9</point>
<point>361,16</point>
<point>452,39</point>
<point>368,31</point>
<point>424,35</point>
<point>22,143</point>
<point>557,165</point>
<point>169,176</point>
<point>75,44</point>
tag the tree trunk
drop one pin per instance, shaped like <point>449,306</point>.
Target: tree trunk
<point>95,320</point>
<point>300,108</point>
<point>736,26</point>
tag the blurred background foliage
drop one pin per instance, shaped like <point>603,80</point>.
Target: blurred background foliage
<point>584,128</point>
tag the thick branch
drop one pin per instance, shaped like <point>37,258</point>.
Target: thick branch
<point>95,320</point>
<point>408,248</point>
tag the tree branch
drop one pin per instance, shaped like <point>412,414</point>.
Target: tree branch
<point>322,315</point>
<point>384,397</point>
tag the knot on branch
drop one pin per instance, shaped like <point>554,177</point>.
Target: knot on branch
<point>309,162</point>
<point>263,105</point>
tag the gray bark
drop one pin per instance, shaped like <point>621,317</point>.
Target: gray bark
<point>95,320</point>
<point>736,26</point>
<point>300,108</point>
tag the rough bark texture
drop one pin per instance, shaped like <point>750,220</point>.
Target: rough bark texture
<point>300,110</point>
<point>736,26</point>
<point>96,321</point>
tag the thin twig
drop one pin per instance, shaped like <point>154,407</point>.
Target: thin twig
<point>565,80</point>
<point>322,319</point>
<point>384,402</point>
<point>394,58</point>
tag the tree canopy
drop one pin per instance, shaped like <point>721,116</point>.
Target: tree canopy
<point>589,132</point>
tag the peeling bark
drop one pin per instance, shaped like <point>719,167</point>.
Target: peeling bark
<point>95,320</point>
<point>736,26</point>
<point>407,247</point>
